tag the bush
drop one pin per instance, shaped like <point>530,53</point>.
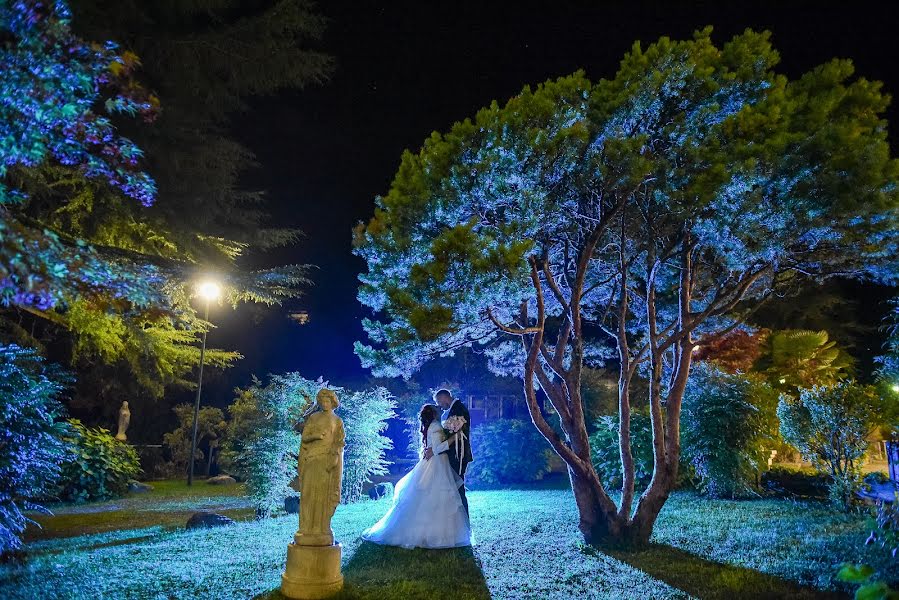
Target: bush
<point>606,455</point>
<point>31,445</point>
<point>829,427</point>
<point>101,466</point>
<point>729,427</point>
<point>269,453</point>
<point>244,420</point>
<point>507,451</point>
<point>210,426</point>
<point>782,480</point>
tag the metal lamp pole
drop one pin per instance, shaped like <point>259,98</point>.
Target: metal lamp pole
<point>193,443</point>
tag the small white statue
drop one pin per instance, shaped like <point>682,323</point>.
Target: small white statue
<point>320,471</point>
<point>124,420</point>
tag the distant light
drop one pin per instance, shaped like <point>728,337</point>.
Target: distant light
<point>782,380</point>
<point>209,290</point>
<point>301,317</point>
<point>895,387</point>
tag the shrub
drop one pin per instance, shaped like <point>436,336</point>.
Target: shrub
<point>31,445</point>
<point>269,453</point>
<point>101,466</point>
<point>244,419</point>
<point>210,426</point>
<point>507,451</point>
<point>829,427</point>
<point>729,426</point>
<point>782,480</point>
<point>604,450</point>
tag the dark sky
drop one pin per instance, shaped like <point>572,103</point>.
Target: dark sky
<point>406,68</point>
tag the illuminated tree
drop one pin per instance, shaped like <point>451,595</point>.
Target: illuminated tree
<point>649,210</point>
<point>85,261</point>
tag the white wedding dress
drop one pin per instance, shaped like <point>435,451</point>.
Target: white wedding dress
<point>427,511</point>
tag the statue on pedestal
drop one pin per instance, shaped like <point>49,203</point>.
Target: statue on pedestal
<point>313,559</point>
<point>124,420</point>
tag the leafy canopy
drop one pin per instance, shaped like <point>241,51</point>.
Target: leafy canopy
<point>766,181</point>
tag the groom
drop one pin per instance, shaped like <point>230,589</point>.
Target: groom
<point>454,408</point>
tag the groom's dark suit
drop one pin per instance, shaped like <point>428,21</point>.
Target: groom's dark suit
<point>458,409</point>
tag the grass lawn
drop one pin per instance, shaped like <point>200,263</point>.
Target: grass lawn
<point>527,547</point>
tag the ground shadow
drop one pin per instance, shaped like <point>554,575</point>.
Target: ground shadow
<point>711,580</point>
<point>385,572</point>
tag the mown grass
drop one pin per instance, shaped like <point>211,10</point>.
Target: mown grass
<point>169,504</point>
<point>527,547</point>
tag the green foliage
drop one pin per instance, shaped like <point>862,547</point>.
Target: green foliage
<point>101,466</point>
<point>606,453</point>
<point>31,446</point>
<point>244,420</point>
<point>869,588</point>
<point>268,456</point>
<point>507,451</point>
<point>210,426</point>
<point>729,427</point>
<point>829,427</point>
<point>794,358</point>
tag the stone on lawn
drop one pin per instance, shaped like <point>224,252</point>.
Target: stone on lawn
<point>136,487</point>
<point>207,519</point>
<point>221,480</point>
<point>380,490</point>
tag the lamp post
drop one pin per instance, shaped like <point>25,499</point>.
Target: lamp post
<point>209,291</point>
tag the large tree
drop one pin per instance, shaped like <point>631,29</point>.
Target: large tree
<point>97,263</point>
<point>643,212</point>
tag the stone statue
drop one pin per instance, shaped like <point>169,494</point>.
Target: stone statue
<point>313,559</point>
<point>320,471</point>
<point>124,420</point>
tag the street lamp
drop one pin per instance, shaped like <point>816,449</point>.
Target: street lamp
<point>209,291</point>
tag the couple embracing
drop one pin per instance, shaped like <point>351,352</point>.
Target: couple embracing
<point>430,509</point>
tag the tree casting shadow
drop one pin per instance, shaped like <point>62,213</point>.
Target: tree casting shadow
<point>384,572</point>
<point>711,580</point>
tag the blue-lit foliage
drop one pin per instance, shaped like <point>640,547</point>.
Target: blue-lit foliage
<point>508,451</point>
<point>267,456</point>
<point>51,83</point>
<point>642,212</point>
<point>31,445</point>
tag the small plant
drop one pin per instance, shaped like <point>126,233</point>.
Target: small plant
<point>100,468</point>
<point>829,427</point>
<point>869,588</point>
<point>506,452</point>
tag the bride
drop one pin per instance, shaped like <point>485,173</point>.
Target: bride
<point>427,509</point>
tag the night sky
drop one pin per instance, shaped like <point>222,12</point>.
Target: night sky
<point>405,69</point>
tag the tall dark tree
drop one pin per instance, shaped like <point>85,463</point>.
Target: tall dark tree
<point>204,59</point>
<point>649,210</point>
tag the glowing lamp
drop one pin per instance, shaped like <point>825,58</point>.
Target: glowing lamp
<point>209,290</point>
<point>895,387</point>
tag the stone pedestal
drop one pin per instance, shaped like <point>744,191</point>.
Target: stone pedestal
<point>312,573</point>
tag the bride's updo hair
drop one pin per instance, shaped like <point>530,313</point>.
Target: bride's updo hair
<point>426,417</point>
